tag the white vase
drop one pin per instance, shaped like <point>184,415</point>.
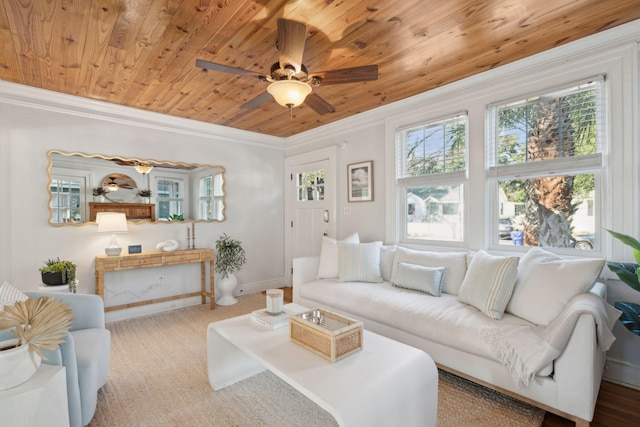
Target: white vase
<point>226,287</point>
<point>17,364</point>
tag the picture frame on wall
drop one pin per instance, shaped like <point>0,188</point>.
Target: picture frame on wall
<point>360,181</point>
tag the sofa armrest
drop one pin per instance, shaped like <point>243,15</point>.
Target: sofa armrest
<point>88,309</point>
<point>305,269</point>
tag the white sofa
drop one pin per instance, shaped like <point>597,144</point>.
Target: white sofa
<point>450,331</point>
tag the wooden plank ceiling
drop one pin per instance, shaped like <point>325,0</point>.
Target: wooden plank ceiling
<point>142,53</point>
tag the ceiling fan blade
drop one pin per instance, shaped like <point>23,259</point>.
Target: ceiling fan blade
<point>224,68</point>
<point>318,104</point>
<point>257,101</point>
<point>291,39</point>
<point>347,75</point>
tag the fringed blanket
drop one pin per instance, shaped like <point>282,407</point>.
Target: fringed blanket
<point>527,349</point>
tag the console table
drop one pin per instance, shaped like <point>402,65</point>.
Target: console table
<point>106,263</point>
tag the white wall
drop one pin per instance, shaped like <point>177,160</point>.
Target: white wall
<point>30,126</point>
<point>371,135</point>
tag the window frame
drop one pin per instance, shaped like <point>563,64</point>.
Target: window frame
<point>451,179</point>
<point>584,164</point>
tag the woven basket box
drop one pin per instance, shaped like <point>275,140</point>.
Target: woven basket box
<point>327,334</point>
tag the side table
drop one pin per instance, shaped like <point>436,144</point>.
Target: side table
<point>41,401</point>
<point>71,287</point>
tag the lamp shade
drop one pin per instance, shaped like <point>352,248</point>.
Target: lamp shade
<point>142,168</point>
<point>111,222</point>
<point>289,93</point>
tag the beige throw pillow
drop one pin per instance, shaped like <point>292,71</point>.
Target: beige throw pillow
<point>328,264</point>
<point>489,283</point>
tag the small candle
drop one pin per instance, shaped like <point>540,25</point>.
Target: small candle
<point>275,301</point>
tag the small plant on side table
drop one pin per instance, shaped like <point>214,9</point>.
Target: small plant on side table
<point>56,272</point>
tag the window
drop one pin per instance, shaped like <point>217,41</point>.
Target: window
<point>66,201</point>
<point>545,165</point>
<point>169,198</point>
<point>210,201</point>
<point>310,185</point>
<point>431,172</point>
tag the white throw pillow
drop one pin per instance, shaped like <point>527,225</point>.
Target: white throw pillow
<point>328,264</point>
<point>387,254</point>
<point>489,283</point>
<point>359,262</point>
<point>546,283</point>
<point>10,295</point>
<point>455,264</point>
<point>419,278</point>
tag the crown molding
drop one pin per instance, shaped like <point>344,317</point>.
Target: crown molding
<point>47,100</point>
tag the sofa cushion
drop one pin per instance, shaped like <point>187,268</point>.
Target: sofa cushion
<point>489,283</point>
<point>546,283</point>
<point>328,263</point>
<point>443,320</point>
<point>9,295</point>
<point>419,278</point>
<point>387,254</point>
<point>455,264</point>
<point>359,262</point>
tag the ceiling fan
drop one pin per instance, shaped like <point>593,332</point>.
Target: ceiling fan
<point>290,81</point>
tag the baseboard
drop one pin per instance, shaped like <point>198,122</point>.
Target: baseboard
<point>623,373</point>
<point>255,287</point>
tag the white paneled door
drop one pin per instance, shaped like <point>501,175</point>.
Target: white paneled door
<point>311,204</point>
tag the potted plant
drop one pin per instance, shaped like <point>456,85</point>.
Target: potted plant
<point>98,194</point>
<point>230,257</point>
<point>38,324</point>
<point>56,272</point>
<point>629,273</point>
<point>175,217</point>
<point>146,194</point>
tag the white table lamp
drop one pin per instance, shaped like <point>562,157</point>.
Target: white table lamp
<point>112,222</point>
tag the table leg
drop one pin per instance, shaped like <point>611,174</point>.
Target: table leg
<point>226,363</point>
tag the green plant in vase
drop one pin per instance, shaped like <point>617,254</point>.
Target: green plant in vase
<point>629,274</point>
<point>57,272</point>
<point>230,257</point>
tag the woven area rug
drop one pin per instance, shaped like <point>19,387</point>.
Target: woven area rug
<point>158,377</point>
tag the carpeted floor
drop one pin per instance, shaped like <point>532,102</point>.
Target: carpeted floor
<point>158,377</point>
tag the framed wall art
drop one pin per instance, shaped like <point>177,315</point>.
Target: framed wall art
<point>360,181</point>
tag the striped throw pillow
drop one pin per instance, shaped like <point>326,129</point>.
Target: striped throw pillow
<point>489,283</point>
<point>9,295</point>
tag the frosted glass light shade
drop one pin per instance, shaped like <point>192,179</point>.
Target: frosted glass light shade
<point>289,93</point>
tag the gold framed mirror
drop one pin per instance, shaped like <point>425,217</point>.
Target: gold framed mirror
<point>166,191</point>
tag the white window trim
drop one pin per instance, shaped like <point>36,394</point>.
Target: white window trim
<point>620,185</point>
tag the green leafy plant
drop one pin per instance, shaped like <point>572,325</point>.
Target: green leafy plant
<point>98,191</point>
<point>175,217</point>
<point>144,193</point>
<point>67,269</point>
<point>230,255</point>
<point>40,322</point>
<point>629,274</point>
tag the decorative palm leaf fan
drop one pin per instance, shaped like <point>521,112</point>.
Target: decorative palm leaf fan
<point>290,80</point>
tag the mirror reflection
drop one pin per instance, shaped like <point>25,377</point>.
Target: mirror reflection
<point>81,185</point>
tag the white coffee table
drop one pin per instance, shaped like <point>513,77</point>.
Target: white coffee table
<point>386,383</point>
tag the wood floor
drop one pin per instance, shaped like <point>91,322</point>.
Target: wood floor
<point>617,406</point>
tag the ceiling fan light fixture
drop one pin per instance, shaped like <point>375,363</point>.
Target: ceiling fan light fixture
<point>142,168</point>
<point>289,93</point>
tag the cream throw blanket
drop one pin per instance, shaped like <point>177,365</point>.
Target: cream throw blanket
<point>529,348</point>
